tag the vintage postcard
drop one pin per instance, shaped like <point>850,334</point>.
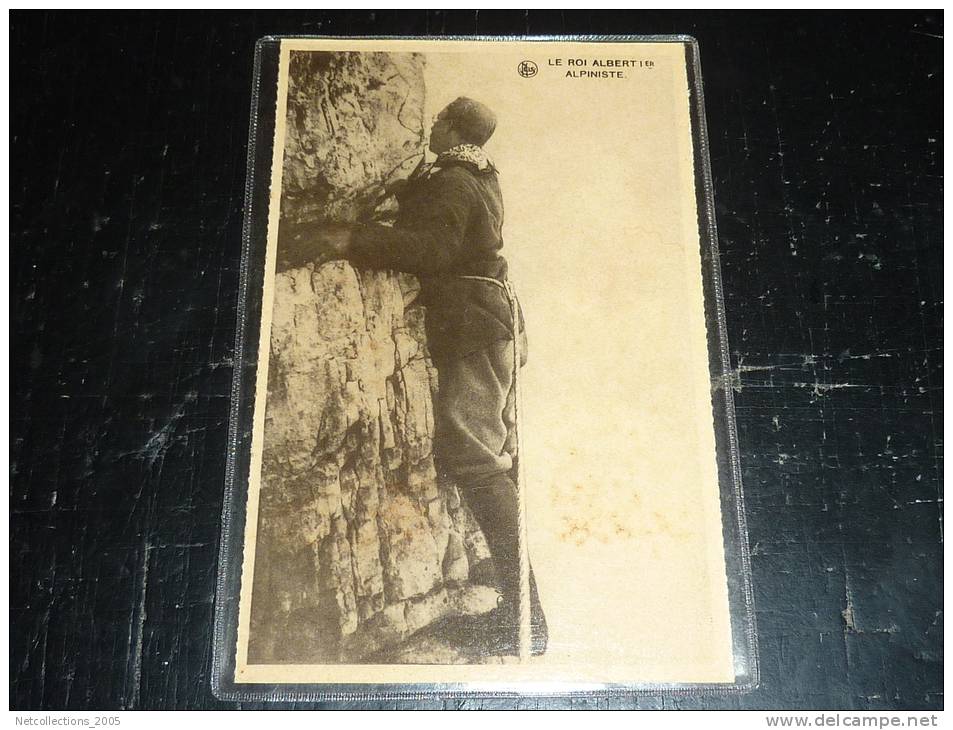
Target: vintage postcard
<point>483,448</point>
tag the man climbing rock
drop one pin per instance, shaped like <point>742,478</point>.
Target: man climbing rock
<point>448,233</point>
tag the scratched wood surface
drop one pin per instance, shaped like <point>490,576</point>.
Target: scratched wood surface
<point>127,172</point>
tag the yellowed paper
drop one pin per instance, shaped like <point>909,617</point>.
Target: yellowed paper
<point>594,148</point>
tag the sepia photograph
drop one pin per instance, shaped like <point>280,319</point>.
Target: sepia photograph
<point>483,446</point>
<point>465,360</point>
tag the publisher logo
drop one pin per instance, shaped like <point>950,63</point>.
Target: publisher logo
<point>527,69</point>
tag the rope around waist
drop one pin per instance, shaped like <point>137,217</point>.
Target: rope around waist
<point>508,290</point>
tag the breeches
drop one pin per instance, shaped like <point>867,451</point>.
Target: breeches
<point>475,430</point>
<point>475,443</point>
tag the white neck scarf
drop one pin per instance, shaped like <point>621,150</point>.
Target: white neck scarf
<point>474,154</point>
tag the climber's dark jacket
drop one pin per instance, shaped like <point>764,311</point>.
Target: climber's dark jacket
<point>449,224</point>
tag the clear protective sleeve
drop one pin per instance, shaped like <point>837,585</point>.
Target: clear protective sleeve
<point>379,585</point>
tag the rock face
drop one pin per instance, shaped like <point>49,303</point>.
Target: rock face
<point>358,545</point>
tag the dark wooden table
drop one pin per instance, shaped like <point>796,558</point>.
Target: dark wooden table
<point>127,180</point>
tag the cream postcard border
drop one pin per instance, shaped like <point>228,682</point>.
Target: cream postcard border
<point>527,677</point>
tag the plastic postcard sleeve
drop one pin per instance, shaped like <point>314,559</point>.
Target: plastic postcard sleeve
<point>482,440</point>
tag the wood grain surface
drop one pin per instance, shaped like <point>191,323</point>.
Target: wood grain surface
<point>128,148</point>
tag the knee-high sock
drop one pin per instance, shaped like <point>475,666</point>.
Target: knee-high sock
<point>495,506</point>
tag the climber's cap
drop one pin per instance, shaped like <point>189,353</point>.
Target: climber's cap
<point>473,121</point>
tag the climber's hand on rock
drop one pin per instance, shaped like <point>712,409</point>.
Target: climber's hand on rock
<point>295,247</point>
<point>332,242</point>
<point>395,187</point>
<point>303,243</point>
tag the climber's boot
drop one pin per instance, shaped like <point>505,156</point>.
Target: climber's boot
<point>493,502</point>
